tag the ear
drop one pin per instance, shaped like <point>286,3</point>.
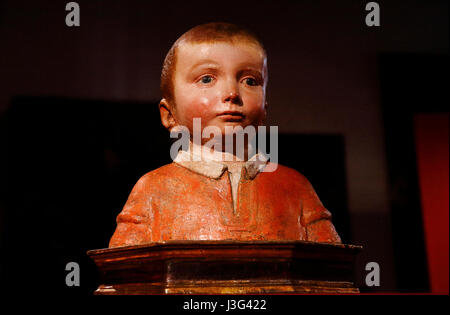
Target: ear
<point>167,117</point>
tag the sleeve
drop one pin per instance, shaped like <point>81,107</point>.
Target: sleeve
<point>134,222</point>
<point>315,218</point>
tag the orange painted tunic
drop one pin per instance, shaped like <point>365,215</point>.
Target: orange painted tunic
<point>174,202</point>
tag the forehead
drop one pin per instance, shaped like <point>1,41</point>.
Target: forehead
<point>241,53</point>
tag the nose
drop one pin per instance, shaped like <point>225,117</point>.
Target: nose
<point>231,95</point>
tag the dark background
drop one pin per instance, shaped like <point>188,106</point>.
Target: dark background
<point>79,121</point>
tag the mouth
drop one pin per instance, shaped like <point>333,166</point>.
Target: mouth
<point>231,116</point>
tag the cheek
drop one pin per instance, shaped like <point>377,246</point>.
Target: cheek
<point>197,106</point>
<point>255,104</point>
<point>194,105</point>
<point>253,98</point>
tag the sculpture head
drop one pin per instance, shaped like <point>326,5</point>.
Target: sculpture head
<point>216,72</point>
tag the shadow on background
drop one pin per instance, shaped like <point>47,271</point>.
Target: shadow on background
<point>410,84</point>
<point>71,166</point>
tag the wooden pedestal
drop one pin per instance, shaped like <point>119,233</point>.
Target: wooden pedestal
<point>226,267</point>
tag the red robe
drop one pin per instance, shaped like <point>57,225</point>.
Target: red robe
<point>175,202</point>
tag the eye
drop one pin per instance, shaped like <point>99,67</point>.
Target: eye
<point>251,82</point>
<point>206,79</point>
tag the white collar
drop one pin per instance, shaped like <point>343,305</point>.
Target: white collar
<point>214,169</point>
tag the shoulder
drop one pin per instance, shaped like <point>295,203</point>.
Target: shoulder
<point>158,176</point>
<point>283,174</point>
<point>275,169</point>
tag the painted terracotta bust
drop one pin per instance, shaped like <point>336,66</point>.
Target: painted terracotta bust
<point>218,72</point>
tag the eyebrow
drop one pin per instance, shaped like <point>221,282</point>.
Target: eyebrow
<point>208,63</point>
<point>254,71</point>
<point>250,66</point>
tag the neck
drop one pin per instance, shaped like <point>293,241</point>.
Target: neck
<point>209,153</point>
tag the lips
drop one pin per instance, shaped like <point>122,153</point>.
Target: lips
<point>231,115</point>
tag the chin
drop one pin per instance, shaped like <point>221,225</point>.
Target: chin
<point>232,124</point>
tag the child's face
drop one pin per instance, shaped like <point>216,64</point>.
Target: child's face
<point>221,83</point>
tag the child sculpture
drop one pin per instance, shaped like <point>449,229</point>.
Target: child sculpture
<point>218,72</point>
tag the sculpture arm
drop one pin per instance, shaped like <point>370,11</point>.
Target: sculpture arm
<point>315,218</point>
<point>134,222</point>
